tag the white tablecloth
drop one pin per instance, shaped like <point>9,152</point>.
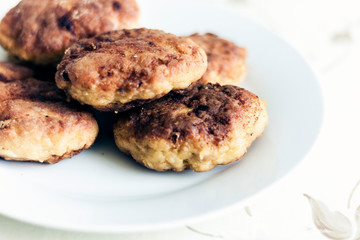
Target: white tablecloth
<point>320,198</point>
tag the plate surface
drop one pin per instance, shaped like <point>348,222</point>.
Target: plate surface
<point>102,190</point>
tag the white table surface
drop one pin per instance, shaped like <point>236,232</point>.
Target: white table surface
<point>327,33</point>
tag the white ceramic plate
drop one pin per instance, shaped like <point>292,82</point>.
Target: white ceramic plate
<point>102,190</point>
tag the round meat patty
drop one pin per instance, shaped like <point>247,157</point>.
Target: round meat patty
<point>36,122</point>
<point>117,70</point>
<point>196,128</point>
<point>226,60</point>
<point>41,30</point>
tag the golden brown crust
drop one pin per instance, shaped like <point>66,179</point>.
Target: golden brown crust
<point>36,122</point>
<point>27,124</point>
<point>226,60</point>
<point>198,128</point>
<point>117,69</point>
<point>207,110</point>
<point>41,30</point>
<point>55,159</point>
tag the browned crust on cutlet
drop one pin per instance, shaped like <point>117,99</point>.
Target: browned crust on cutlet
<point>206,110</point>
<point>44,121</point>
<point>197,128</point>
<point>55,159</point>
<point>119,107</point>
<point>123,66</point>
<point>226,60</point>
<point>36,122</point>
<point>41,30</point>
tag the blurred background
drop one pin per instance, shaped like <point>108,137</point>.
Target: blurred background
<point>322,30</point>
